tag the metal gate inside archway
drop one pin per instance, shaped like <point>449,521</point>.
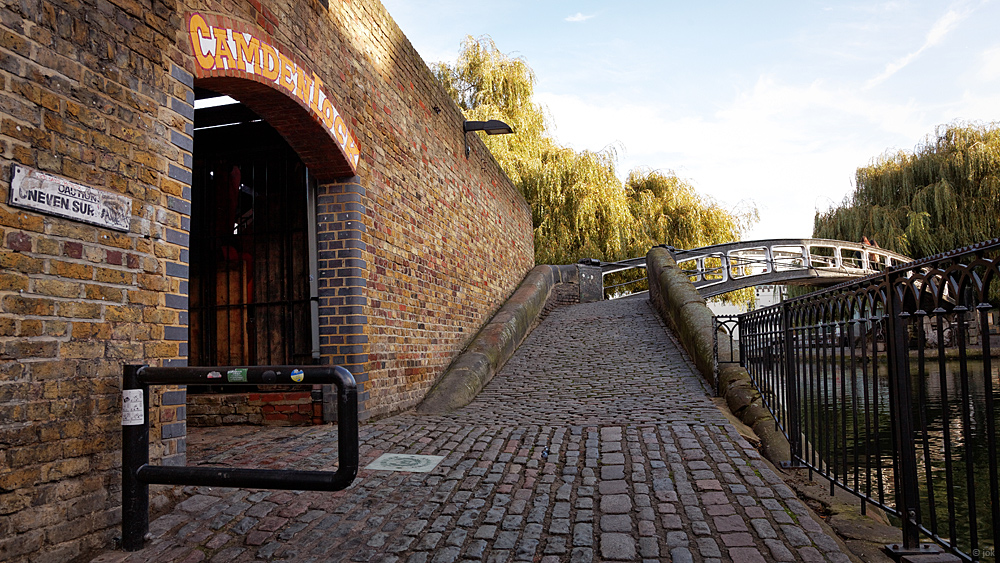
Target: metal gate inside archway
<point>250,265</point>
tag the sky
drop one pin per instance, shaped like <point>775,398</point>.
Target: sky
<point>766,104</point>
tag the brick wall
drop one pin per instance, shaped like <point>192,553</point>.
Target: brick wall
<point>77,301</point>
<point>423,245</point>
<point>416,250</point>
<point>267,408</point>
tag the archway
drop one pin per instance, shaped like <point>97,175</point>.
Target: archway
<point>252,225</point>
<point>274,85</point>
<point>253,289</point>
<point>319,151</point>
<point>235,58</point>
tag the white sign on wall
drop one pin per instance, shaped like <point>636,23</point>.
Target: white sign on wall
<point>31,189</point>
<point>132,407</point>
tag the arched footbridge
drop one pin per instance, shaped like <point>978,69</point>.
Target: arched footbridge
<point>722,268</point>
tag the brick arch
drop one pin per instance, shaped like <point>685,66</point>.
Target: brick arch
<point>286,114</point>
<point>241,60</point>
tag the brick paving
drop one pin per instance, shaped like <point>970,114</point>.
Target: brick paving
<point>596,442</point>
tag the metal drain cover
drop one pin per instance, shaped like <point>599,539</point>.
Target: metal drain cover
<point>406,462</point>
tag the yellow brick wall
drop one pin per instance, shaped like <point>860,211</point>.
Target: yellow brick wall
<point>417,250</point>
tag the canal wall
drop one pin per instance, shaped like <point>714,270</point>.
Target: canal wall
<point>686,312</point>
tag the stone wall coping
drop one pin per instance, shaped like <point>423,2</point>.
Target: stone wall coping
<point>677,301</point>
<point>496,341</point>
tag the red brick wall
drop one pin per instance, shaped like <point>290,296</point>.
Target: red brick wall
<point>271,408</point>
<point>416,250</point>
<point>423,245</point>
<point>78,301</point>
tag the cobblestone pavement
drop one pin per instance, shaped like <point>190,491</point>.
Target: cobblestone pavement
<point>597,441</point>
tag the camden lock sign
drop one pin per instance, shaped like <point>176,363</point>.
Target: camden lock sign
<point>218,48</point>
<point>31,189</point>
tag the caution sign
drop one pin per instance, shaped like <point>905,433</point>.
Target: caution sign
<point>37,191</point>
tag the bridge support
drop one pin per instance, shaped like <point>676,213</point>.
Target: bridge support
<point>591,280</point>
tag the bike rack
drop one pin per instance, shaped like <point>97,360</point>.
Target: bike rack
<point>138,474</point>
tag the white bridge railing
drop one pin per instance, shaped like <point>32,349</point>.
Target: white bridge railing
<point>722,268</point>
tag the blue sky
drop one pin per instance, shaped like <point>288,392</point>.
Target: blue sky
<point>770,103</point>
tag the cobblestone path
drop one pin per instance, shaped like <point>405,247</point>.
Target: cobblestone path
<point>596,442</point>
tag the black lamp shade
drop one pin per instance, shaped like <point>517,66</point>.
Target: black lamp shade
<point>491,127</point>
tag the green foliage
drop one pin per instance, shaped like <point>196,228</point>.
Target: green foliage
<point>580,209</point>
<point>669,210</point>
<point>944,195</point>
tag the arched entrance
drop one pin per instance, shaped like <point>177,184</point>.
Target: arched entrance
<point>252,226</point>
<point>253,288</point>
<point>237,59</point>
<point>254,273</point>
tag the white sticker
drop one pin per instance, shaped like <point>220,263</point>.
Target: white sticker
<point>132,407</point>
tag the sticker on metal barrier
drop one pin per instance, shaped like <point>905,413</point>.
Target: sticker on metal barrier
<point>132,407</point>
<point>214,375</point>
<point>297,375</point>
<point>238,375</point>
<point>406,462</point>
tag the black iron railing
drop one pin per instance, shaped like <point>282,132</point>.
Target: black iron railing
<point>137,474</point>
<point>889,388</point>
<point>727,347</point>
<point>725,343</point>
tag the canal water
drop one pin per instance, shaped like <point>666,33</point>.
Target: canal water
<point>849,435</point>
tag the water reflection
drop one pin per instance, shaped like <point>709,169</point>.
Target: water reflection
<point>845,415</point>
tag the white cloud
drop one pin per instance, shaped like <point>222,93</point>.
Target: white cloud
<point>990,70</point>
<point>941,28</point>
<point>579,17</point>
<point>789,149</point>
<point>976,106</point>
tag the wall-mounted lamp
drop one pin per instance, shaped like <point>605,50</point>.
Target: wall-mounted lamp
<point>492,127</point>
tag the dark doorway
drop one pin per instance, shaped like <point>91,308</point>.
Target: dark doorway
<point>249,277</point>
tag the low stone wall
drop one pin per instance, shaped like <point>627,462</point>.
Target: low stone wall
<point>498,340</point>
<point>275,408</point>
<point>685,311</point>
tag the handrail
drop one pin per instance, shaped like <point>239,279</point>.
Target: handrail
<point>885,386</point>
<point>721,268</point>
<point>730,266</point>
<point>138,474</point>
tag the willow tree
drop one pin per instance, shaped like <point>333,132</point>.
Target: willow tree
<point>668,209</point>
<point>580,209</point>
<point>487,84</point>
<point>943,195</point>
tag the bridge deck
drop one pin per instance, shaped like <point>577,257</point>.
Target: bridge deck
<point>597,441</point>
<point>727,267</point>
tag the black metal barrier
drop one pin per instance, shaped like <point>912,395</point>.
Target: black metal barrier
<point>727,329</point>
<point>137,474</point>
<point>889,387</point>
